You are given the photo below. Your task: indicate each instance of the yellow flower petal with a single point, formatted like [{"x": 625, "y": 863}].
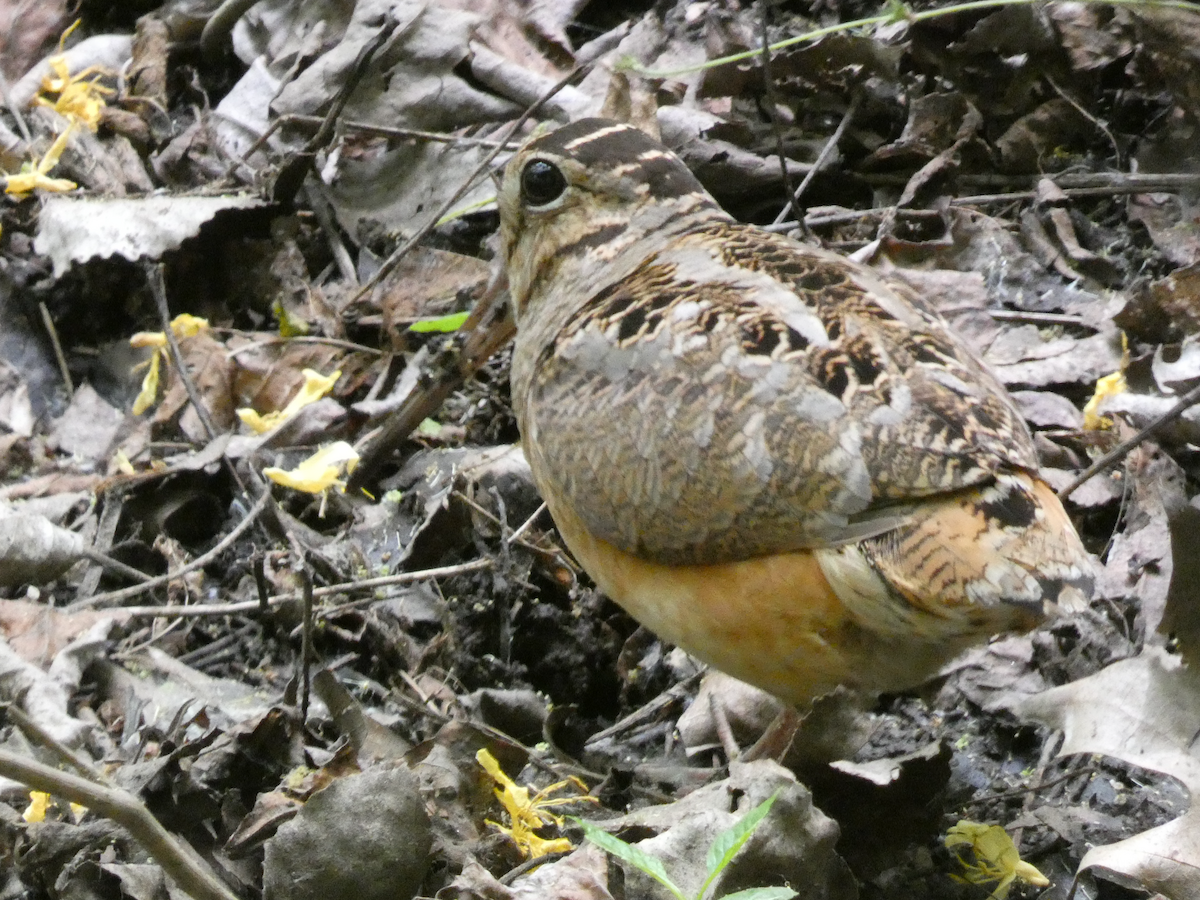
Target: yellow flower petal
[
  {"x": 34, "y": 177},
  {"x": 145, "y": 399},
  {"x": 320, "y": 471},
  {"x": 124, "y": 466},
  {"x": 39, "y": 802},
  {"x": 185, "y": 325},
  {"x": 1108, "y": 386},
  {"x": 154, "y": 339},
  {"x": 996, "y": 857},
  {"x": 314, "y": 388},
  {"x": 27, "y": 182},
  {"x": 528, "y": 813},
  {"x": 256, "y": 423},
  {"x": 79, "y": 100},
  {"x": 50, "y": 160}
]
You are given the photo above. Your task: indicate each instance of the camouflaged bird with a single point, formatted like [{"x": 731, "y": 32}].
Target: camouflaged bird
[{"x": 768, "y": 454}]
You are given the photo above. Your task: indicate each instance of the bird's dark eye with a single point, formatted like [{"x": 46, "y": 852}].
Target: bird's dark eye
[{"x": 541, "y": 182}]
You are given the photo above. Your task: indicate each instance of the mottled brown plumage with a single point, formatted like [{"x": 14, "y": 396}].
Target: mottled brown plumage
[{"x": 771, "y": 455}]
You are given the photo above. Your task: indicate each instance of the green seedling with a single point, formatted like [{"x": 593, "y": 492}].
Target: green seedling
[{"x": 720, "y": 854}]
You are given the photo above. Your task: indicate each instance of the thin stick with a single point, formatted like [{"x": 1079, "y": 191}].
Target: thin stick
[
  {"x": 402, "y": 133},
  {"x": 303, "y": 570},
  {"x": 822, "y": 157},
  {"x": 158, "y": 287},
  {"x": 178, "y": 860},
  {"x": 114, "y": 565},
  {"x": 1096, "y": 123},
  {"x": 394, "y": 259},
  {"x": 58, "y": 350},
  {"x": 201, "y": 610},
  {"x": 321, "y": 208},
  {"x": 526, "y": 525},
  {"x": 1117, "y": 183},
  {"x": 44, "y": 739},
  {"x": 305, "y": 339},
  {"x": 198, "y": 562},
  {"x": 220, "y": 24},
  {"x": 15, "y": 109},
  {"x": 1118, "y": 453},
  {"x": 769, "y": 96}
]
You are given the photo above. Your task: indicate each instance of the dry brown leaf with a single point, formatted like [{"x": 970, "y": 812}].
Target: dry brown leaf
[
  {"x": 37, "y": 633},
  {"x": 211, "y": 372},
  {"x": 1173, "y": 221},
  {"x": 1146, "y": 712}
]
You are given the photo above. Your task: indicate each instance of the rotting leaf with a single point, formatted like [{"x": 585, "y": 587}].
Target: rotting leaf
[
  {"x": 74, "y": 230},
  {"x": 34, "y": 550}
]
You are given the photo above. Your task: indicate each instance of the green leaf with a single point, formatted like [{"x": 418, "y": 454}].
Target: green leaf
[
  {"x": 896, "y": 11},
  {"x": 651, "y": 865},
  {"x": 730, "y": 841},
  {"x": 452, "y": 322},
  {"x": 767, "y": 893}
]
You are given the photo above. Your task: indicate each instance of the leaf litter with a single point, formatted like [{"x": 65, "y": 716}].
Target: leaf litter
[{"x": 298, "y": 686}]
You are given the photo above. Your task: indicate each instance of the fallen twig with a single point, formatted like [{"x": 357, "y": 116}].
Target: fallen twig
[
  {"x": 201, "y": 610},
  {"x": 198, "y": 562},
  {"x": 177, "y": 858}
]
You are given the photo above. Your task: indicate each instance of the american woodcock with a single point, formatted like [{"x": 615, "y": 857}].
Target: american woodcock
[{"x": 770, "y": 455}]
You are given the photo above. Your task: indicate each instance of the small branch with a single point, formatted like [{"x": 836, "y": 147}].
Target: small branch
[
  {"x": 198, "y": 562},
  {"x": 58, "y": 350},
  {"x": 301, "y": 567},
  {"x": 114, "y": 565},
  {"x": 1099, "y": 126},
  {"x": 158, "y": 287},
  {"x": 44, "y": 739},
  {"x": 394, "y": 259},
  {"x": 486, "y": 330},
  {"x": 201, "y": 610},
  {"x": 323, "y": 211},
  {"x": 178, "y": 860},
  {"x": 220, "y": 24},
  {"x": 769, "y": 96},
  {"x": 819, "y": 162},
  {"x": 368, "y": 128}
]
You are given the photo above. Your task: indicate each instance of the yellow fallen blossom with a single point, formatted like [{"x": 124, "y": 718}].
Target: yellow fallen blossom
[
  {"x": 182, "y": 326},
  {"x": 314, "y": 388},
  {"x": 996, "y": 858},
  {"x": 320, "y": 472},
  {"x": 79, "y": 100},
  {"x": 35, "y": 176},
  {"x": 122, "y": 463},
  {"x": 529, "y": 813},
  {"x": 39, "y": 805},
  {"x": 1108, "y": 386}
]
